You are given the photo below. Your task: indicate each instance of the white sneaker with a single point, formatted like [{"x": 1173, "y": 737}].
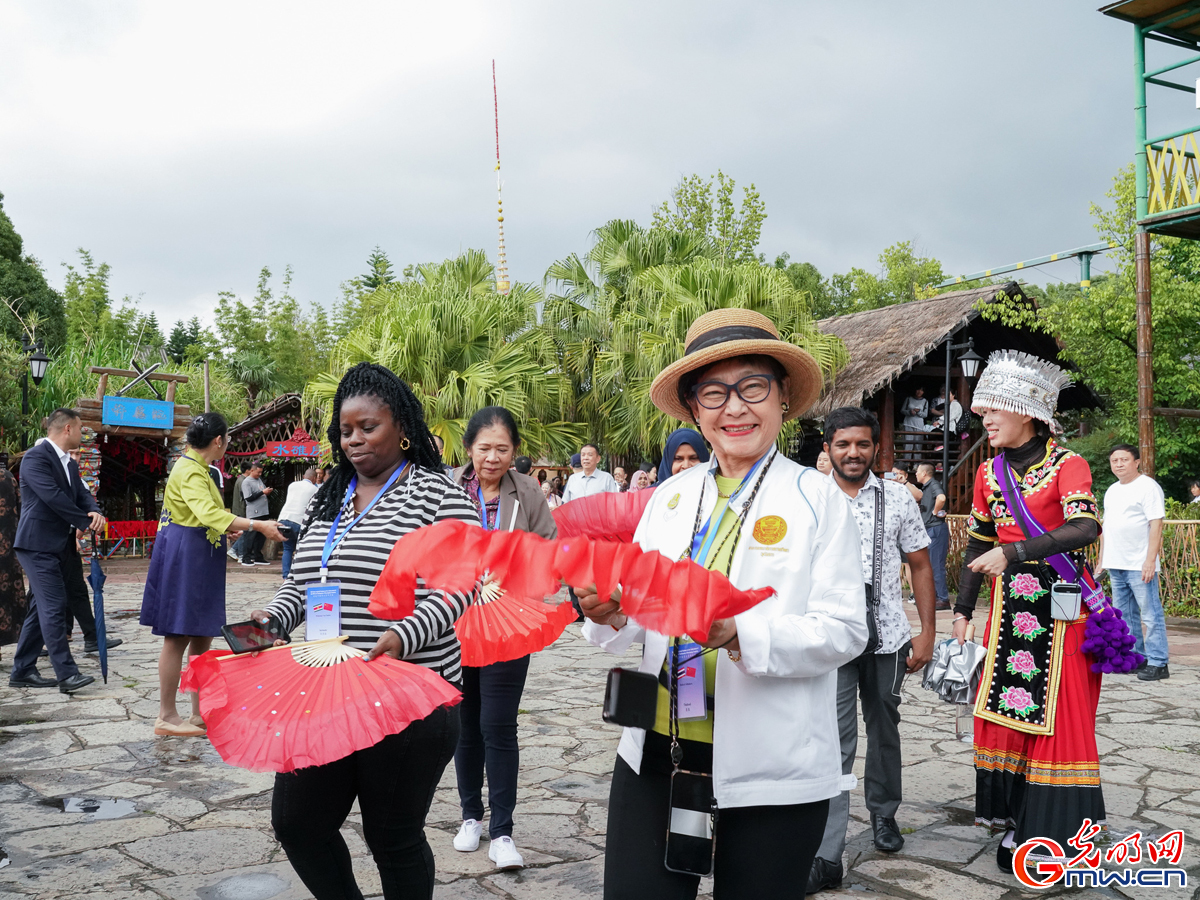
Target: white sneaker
[
  {"x": 467, "y": 838},
  {"x": 503, "y": 852}
]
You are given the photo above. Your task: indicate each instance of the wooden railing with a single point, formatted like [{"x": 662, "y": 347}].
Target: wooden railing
[{"x": 1179, "y": 579}]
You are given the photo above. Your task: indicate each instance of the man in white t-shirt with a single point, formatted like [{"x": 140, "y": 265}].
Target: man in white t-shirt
[
  {"x": 299, "y": 494},
  {"x": 1134, "y": 510},
  {"x": 589, "y": 480}
]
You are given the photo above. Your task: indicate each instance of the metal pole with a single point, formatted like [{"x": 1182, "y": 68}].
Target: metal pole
[
  {"x": 946, "y": 424},
  {"x": 1145, "y": 359},
  {"x": 1141, "y": 175},
  {"x": 25, "y": 408},
  {"x": 207, "y": 403}
]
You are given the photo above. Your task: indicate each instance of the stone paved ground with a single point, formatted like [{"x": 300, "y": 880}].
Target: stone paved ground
[{"x": 191, "y": 827}]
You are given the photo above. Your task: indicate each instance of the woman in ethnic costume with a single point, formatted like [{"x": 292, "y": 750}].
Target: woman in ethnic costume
[{"x": 1037, "y": 772}]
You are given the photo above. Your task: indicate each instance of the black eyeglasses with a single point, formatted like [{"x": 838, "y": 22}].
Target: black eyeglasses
[{"x": 751, "y": 389}]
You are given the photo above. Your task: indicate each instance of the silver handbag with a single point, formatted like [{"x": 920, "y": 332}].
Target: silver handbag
[{"x": 954, "y": 671}]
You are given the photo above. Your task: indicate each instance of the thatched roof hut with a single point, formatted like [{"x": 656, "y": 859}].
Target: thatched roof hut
[{"x": 896, "y": 349}]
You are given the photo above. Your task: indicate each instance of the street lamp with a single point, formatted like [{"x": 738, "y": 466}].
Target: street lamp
[
  {"x": 38, "y": 362},
  {"x": 970, "y": 362}
]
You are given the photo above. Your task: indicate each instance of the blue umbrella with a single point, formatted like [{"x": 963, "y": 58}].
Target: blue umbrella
[{"x": 96, "y": 579}]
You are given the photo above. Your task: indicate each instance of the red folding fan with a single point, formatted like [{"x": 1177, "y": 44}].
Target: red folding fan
[
  {"x": 603, "y": 517},
  {"x": 308, "y": 704},
  {"x": 499, "y": 626},
  {"x": 672, "y": 597}
]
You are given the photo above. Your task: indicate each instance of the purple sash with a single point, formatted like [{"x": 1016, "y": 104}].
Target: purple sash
[
  {"x": 1028, "y": 523},
  {"x": 1106, "y": 634}
]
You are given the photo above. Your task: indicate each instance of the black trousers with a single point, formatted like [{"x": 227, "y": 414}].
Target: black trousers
[
  {"x": 762, "y": 851},
  {"x": 252, "y": 546},
  {"x": 394, "y": 782},
  {"x": 79, "y": 602},
  {"x": 491, "y": 700},
  {"x": 46, "y": 618}
]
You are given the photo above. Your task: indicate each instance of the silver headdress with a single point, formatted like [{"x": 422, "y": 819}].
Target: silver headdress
[{"x": 1022, "y": 384}]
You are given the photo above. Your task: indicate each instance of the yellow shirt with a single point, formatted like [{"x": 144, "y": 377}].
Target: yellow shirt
[
  {"x": 191, "y": 499},
  {"x": 718, "y": 561}
]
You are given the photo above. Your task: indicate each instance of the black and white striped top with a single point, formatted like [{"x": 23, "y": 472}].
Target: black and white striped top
[{"x": 427, "y": 637}]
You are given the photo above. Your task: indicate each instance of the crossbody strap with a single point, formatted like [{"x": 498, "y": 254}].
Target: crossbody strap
[{"x": 877, "y": 557}]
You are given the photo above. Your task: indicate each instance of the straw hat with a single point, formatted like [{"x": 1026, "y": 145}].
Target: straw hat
[{"x": 724, "y": 334}]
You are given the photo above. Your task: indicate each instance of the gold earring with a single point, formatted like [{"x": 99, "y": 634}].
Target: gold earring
[
  {"x": 404, "y": 443},
  {"x": 786, "y": 406}
]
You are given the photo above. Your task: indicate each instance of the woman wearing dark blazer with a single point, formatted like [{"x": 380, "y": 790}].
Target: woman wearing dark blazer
[{"x": 505, "y": 500}]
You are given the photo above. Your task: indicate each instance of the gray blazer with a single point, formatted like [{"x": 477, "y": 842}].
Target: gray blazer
[{"x": 521, "y": 495}]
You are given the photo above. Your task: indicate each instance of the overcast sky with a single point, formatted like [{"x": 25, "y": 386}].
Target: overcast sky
[{"x": 189, "y": 144}]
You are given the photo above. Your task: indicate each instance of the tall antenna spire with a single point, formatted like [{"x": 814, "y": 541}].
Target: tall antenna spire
[{"x": 502, "y": 285}]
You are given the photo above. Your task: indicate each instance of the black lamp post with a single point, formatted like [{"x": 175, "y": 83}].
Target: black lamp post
[
  {"x": 970, "y": 362},
  {"x": 38, "y": 361}
]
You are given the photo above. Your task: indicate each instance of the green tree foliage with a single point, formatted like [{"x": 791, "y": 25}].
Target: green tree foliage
[
  {"x": 184, "y": 336},
  {"x": 462, "y": 346},
  {"x": 806, "y": 279},
  {"x": 1098, "y": 333},
  {"x": 903, "y": 276},
  {"x": 379, "y": 271},
  {"x": 23, "y": 284},
  {"x": 270, "y": 342},
  {"x": 708, "y": 211}
]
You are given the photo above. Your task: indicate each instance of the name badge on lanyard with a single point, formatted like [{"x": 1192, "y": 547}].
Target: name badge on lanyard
[
  {"x": 322, "y": 610},
  {"x": 323, "y": 599},
  {"x": 691, "y": 701}
]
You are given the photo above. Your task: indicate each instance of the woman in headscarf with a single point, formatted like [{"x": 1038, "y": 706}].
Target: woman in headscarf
[
  {"x": 769, "y": 734},
  {"x": 685, "y": 448},
  {"x": 1036, "y": 764}
]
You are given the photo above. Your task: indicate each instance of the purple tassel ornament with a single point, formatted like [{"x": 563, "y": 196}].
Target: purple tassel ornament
[{"x": 1108, "y": 641}]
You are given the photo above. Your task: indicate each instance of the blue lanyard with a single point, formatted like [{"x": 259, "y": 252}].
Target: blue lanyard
[
  {"x": 330, "y": 542},
  {"x": 483, "y": 513},
  {"x": 703, "y": 541}
]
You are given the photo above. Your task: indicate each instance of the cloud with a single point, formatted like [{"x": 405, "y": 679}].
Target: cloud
[{"x": 189, "y": 144}]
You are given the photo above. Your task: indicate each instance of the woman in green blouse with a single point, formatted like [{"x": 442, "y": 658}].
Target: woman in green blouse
[{"x": 184, "y": 600}]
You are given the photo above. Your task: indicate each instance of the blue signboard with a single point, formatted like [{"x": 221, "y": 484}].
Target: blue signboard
[{"x": 138, "y": 413}]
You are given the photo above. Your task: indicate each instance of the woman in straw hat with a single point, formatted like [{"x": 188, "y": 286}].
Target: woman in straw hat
[
  {"x": 1037, "y": 770},
  {"x": 757, "y": 699}
]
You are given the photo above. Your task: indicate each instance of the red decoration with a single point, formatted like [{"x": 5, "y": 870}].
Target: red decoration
[
  {"x": 672, "y": 597},
  {"x": 603, "y": 517},
  {"x": 498, "y": 626},
  {"x": 277, "y": 713},
  {"x": 301, "y": 436},
  {"x": 131, "y": 529}
]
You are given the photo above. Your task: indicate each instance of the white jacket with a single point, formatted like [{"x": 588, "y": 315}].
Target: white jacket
[{"x": 775, "y": 731}]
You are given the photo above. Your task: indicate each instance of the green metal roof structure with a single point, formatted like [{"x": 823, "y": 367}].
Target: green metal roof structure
[{"x": 1168, "y": 180}]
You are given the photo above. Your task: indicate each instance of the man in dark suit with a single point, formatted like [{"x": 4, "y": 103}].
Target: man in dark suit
[{"x": 54, "y": 505}]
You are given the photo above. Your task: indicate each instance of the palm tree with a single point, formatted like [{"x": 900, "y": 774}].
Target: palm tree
[
  {"x": 462, "y": 346},
  {"x": 619, "y": 315},
  {"x": 256, "y": 372}
]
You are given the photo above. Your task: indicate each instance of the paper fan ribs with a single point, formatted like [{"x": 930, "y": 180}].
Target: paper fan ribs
[
  {"x": 308, "y": 704},
  {"x": 673, "y": 597}
]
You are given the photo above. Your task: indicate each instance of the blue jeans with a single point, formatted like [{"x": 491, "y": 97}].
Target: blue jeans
[
  {"x": 939, "y": 546},
  {"x": 1138, "y": 602},
  {"x": 289, "y": 545}
]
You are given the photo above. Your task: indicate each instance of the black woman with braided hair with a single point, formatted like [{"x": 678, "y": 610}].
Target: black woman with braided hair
[{"x": 387, "y": 481}]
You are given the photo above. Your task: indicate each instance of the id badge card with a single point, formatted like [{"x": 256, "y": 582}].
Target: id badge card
[
  {"x": 322, "y": 610},
  {"x": 692, "y": 702}
]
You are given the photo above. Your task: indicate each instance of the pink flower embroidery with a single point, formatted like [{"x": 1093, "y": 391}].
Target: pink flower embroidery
[
  {"x": 1025, "y": 586},
  {"x": 1026, "y": 625},
  {"x": 1017, "y": 700},
  {"x": 1022, "y": 663}
]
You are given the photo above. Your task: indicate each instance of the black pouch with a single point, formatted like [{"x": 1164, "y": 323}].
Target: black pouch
[
  {"x": 692, "y": 817},
  {"x": 630, "y": 699},
  {"x": 691, "y": 828}
]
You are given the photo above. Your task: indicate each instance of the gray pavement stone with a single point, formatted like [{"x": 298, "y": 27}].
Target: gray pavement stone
[{"x": 201, "y": 829}]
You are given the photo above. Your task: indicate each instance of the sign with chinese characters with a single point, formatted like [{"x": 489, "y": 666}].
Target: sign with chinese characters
[
  {"x": 138, "y": 413},
  {"x": 284, "y": 449}
]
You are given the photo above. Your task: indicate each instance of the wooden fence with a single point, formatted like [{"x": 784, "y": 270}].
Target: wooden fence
[{"x": 1179, "y": 581}]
